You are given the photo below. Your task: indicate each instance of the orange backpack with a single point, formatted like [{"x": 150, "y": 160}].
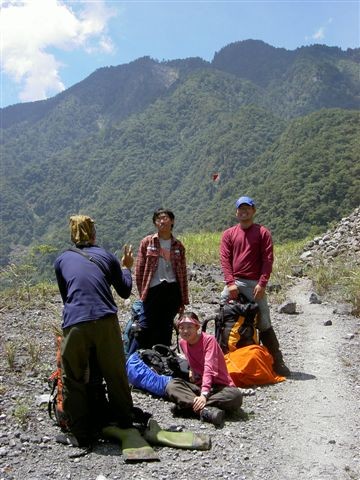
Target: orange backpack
[{"x": 55, "y": 404}]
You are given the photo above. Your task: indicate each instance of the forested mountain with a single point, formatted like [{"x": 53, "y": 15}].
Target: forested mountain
[{"x": 280, "y": 125}]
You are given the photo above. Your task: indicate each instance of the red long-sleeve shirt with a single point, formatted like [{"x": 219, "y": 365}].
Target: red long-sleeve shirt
[{"x": 246, "y": 253}]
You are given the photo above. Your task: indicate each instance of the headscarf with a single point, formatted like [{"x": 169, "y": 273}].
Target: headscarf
[{"x": 82, "y": 229}]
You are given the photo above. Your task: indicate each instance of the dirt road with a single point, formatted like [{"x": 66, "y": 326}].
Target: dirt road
[{"x": 319, "y": 438}]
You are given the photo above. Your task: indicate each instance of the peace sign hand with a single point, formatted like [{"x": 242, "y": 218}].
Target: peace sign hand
[{"x": 127, "y": 260}]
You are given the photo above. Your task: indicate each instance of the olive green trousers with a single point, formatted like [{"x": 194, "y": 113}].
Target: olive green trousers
[{"x": 101, "y": 340}]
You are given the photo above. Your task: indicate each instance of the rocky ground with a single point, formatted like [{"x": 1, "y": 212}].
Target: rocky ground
[{"x": 306, "y": 428}]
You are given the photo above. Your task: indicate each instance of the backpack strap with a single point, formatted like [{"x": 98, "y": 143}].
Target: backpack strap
[
  {"x": 163, "y": 350},
  {"x": 54, "y": 379},
  {"x": 89, "y": 257}
]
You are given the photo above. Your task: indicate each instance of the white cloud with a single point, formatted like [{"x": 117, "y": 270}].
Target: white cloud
[
  {"x": 319, "y": 34},
  {"x": 30, "y": 27}
]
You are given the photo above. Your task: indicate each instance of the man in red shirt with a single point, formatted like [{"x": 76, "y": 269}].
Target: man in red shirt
[{"x": 246, "y": 255}]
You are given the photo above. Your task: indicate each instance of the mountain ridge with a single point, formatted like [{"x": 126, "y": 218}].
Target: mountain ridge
[{"x": 154, "y": 133}]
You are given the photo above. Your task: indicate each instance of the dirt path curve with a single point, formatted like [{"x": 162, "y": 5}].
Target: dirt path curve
[{"x": 321, "y": 435}]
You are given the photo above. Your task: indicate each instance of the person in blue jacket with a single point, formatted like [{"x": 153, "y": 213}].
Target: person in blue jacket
[{"x": 90, "y": 326}]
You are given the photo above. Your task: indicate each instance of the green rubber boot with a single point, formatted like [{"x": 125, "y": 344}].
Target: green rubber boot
[
  {"x": 189, "y": 440},
  {"x": 134, "y": 447}
]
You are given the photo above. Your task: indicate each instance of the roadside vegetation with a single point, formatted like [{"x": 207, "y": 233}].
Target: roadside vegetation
[
  {"x": 21, "y": 288},
  {"x": 338, "y": 280}
]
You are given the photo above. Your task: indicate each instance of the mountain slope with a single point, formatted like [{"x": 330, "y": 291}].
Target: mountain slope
[
  {"x": 311, "y": 175},
  {"x": 129, "y": 139},
  {"x": 296, "y": 82}
]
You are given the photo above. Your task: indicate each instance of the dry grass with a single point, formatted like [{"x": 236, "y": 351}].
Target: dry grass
[
  {"x": 22, "y": 413},
  {"x": 339, "y": 280},
  {"x": 202, "y": 248},
  {"x": 10, "y": 353}
]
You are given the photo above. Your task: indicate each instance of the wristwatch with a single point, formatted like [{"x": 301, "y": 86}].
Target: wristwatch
[{"x": 205, "y": 394}]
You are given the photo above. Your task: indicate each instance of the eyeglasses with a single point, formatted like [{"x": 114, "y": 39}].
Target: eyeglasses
[{"x": 160, "y": 218}]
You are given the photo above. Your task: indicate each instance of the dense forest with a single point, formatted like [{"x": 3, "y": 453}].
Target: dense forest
[{"x": 279, "y": 125}]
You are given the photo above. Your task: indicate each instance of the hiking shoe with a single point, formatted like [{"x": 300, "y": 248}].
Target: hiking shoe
[
  {"x": 140, "y": 417},
  {"x": 281, "y": 369},
  {"x": 175, "y": 410},
  {"x": 181, "y": 412},
  {"x": 212, "y": 415}
]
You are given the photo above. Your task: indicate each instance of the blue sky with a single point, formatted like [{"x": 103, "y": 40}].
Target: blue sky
[{"x": 49, "y": 45}]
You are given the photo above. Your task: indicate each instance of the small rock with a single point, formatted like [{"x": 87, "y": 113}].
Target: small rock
[
  {"x": 42, "y": 399},
  {"x": 3, "y": 451},
  {"x": 306, "y": 255},
  {"x": 273, "y": 287},
  {"x": 327, "y": 323},
  {"x": 314, "y": 298},
  {"x": 343, "y": 309},
  {"x": 288, "y": 307},
  {"x": 297, "y": 270}
]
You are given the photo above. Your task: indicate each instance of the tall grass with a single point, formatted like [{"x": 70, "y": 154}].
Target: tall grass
[
  {"x": 286, "y": 257},
  {"x": 337, "y": 280},
  {"x": 202, "y": 248},
  {"x": 25, "y": 296}
]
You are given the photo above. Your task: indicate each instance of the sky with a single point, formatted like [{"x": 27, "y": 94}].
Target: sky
[{"x": 49, "y": 45}]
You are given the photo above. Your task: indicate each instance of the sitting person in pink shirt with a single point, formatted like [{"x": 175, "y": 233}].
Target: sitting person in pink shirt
[{"x": 211, "y": 391}]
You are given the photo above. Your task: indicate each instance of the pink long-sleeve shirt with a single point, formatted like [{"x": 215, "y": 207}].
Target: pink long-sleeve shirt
[
  {"x": 206, "y": 361},
  {"x": 247, "y": 253}
]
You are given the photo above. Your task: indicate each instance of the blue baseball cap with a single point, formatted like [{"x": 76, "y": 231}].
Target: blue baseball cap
[{"x": 246, "y": 200}]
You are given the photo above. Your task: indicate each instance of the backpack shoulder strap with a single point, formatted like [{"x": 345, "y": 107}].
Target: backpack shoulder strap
[
  {"x": 89, "y": 257},
  {"x": 163, "y": 350}
]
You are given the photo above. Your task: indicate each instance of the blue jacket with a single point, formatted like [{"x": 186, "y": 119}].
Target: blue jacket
[{"x": 84, "y": 287}]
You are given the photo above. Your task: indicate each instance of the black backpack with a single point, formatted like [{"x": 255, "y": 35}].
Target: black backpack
[
  {"x": 165, "y": 361},
  {"x": 235, "y": 324}
]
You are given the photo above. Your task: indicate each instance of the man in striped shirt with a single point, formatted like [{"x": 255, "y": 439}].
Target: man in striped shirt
[{"x": 161, "y": 279}]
